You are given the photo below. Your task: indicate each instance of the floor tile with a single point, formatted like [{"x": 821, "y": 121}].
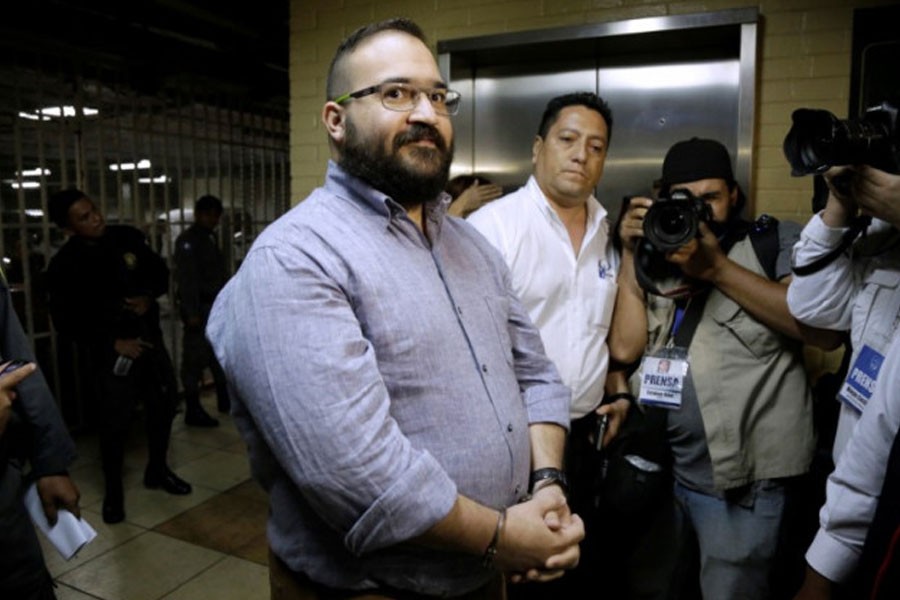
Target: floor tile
[
  {"x": 64, "y": 592},
  {"x": 208, "y": 544},
  {"x": 144, "y": 568},
  {"x": 217, "y": 470},
  {"x": 233, "y": 522},
  {"x": 229, "y": 579},
  {"x": 149, "y": 508},
  {"x": 108, "y": 538}
]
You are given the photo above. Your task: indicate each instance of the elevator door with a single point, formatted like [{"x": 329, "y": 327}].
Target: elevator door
[
  {"x": 665, "y": 79},
  {"x": 653, "y": 106}
]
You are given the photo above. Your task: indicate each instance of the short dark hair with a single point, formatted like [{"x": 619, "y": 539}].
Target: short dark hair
[
  {"x": 208, "y": 203},
  {"x": 357, "y": 37},
  {"x": 59, "y": 204},
  {"x": 587, "y": 99}
]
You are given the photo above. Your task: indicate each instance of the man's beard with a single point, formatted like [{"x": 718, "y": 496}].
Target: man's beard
[{"x": 409, "y": 182}]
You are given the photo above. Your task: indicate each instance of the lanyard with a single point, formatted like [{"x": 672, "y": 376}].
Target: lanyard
[{"x": 680, "y": 311}]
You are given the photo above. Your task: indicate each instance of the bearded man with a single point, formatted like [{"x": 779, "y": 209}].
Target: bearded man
[{"x": 395, "y": 397}]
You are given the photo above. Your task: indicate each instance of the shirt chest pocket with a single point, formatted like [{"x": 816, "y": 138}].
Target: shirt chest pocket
[
  {"x": 758, "y": 339},
  {"x": 877, "y": 307}
]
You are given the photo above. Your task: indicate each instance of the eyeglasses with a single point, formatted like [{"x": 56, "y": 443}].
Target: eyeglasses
[{"x": 403, "y": 97}]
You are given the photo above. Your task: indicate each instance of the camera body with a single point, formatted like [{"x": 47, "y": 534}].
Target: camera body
[
  {"x": 818, "y": 140},
  {"x": 672, "y": 221}
]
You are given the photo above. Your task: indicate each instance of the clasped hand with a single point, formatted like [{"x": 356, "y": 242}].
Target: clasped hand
[{"x": 539, "y": 541}]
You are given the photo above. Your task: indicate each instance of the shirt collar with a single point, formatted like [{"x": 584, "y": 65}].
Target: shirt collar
[
  {"x": 338, "y": 181},
  {"x": 596, "y": 213}
]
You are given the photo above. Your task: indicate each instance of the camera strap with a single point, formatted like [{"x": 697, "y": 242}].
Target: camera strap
[{"x": 857, "y": 227}]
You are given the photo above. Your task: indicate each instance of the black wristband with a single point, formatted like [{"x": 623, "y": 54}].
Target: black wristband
[
  {"x": 550, "y": 473},
  {"x": 619, "y": 396}
]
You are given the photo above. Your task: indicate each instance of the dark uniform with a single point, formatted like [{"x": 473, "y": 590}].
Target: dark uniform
[
  {"x": 35, "y": 436},
  {"x": 89, "y": 281},
  {"x": 200, "y": 273}
]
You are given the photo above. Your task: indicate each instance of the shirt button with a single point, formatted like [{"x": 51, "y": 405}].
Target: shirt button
[
  {"x": 459, "y": 310},
  {"x": 484, "y": 368},
  {"x": 509, "y": 427}
]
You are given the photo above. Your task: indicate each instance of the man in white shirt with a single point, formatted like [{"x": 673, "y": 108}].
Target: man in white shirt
[
  {"x": 854, "y": 488},
  {"x": 858, "y": 290},
  {"x": 554, "y": 235}
]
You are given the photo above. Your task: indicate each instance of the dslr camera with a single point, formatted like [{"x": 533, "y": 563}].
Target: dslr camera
[
  {"x": 672, "y": 221},
  {"x": 818, "y": 140}
]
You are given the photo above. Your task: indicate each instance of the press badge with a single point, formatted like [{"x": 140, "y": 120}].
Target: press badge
[
  {"x": 662, "y": 377},
  {"x": 861, "y": 378}
]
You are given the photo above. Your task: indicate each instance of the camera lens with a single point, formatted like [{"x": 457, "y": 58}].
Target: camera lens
[
  {"x": 670, "y": 224},
  {"x": 818, "y": 140}
]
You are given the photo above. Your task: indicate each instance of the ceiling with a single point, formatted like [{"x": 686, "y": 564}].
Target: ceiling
[{"x": 156, "y": 45}]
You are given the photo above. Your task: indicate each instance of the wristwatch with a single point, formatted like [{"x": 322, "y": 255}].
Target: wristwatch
[{"x": 546, "y": 476}]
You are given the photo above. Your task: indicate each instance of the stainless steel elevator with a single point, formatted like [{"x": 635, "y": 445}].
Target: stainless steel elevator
[{"x": 666, "y": 79}]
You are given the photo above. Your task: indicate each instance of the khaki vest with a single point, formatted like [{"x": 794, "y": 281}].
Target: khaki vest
[{"x": 751, "y": 386}]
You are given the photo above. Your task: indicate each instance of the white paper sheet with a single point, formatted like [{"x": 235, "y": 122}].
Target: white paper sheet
[{"x": 70, "y": 533}]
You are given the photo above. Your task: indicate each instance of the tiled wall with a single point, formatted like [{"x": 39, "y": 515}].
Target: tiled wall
[{"x": 804, "y": 60}]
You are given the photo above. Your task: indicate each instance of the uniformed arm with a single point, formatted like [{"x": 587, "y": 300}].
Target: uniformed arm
[
  {"x": 83, "y": 312},
  {"x": 52, "y": 450},
  {"x": 8, "y": 383}
]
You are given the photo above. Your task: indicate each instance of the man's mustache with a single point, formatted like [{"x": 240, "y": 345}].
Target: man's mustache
[{"x": 419, "y": 132}]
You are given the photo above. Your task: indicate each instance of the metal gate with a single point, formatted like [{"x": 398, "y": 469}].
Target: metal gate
[{"x": 144, "y": 159}]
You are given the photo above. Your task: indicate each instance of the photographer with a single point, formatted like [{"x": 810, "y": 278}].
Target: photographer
[
  {"x": 744, "y": 389},
  {"x": 858, "y": 291}
]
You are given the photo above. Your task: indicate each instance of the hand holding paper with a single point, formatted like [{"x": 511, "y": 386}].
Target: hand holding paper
[{"x": 68, "y": 535}]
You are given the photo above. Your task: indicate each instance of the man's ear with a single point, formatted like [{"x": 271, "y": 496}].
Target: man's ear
[
  {"x": 536, "y": 148},
  {"x": 334, "y": 119},
  {"x": 734, "y": 196}
]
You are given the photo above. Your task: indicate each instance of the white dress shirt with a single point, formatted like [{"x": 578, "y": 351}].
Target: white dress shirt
[
  {"x": 858, "y": 292},
  {"x": 570, "y": 298},
  {"x": 855, "y": 485}
]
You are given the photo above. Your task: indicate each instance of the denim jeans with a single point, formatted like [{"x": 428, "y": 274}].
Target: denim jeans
[{"x": 737, "y": 538}]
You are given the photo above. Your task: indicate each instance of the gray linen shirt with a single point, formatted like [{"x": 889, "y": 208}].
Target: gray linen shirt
[{"x": 377, "y": 372}]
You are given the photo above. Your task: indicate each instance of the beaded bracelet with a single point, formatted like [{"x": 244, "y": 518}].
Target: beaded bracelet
[{"x": 491, "y": 551}]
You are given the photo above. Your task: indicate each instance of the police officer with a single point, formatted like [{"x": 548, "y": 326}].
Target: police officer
[
  {"x": 200, "y": 273},
  {"x": 104, "y": 282}
]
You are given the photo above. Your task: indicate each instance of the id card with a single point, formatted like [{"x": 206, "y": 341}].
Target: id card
[
  {"x": 861, "y": 379},
  {"x": 662, "y": 377}
]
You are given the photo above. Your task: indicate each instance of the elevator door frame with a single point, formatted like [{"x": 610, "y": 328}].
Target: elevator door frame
[{"x": 729, "y": 36}]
